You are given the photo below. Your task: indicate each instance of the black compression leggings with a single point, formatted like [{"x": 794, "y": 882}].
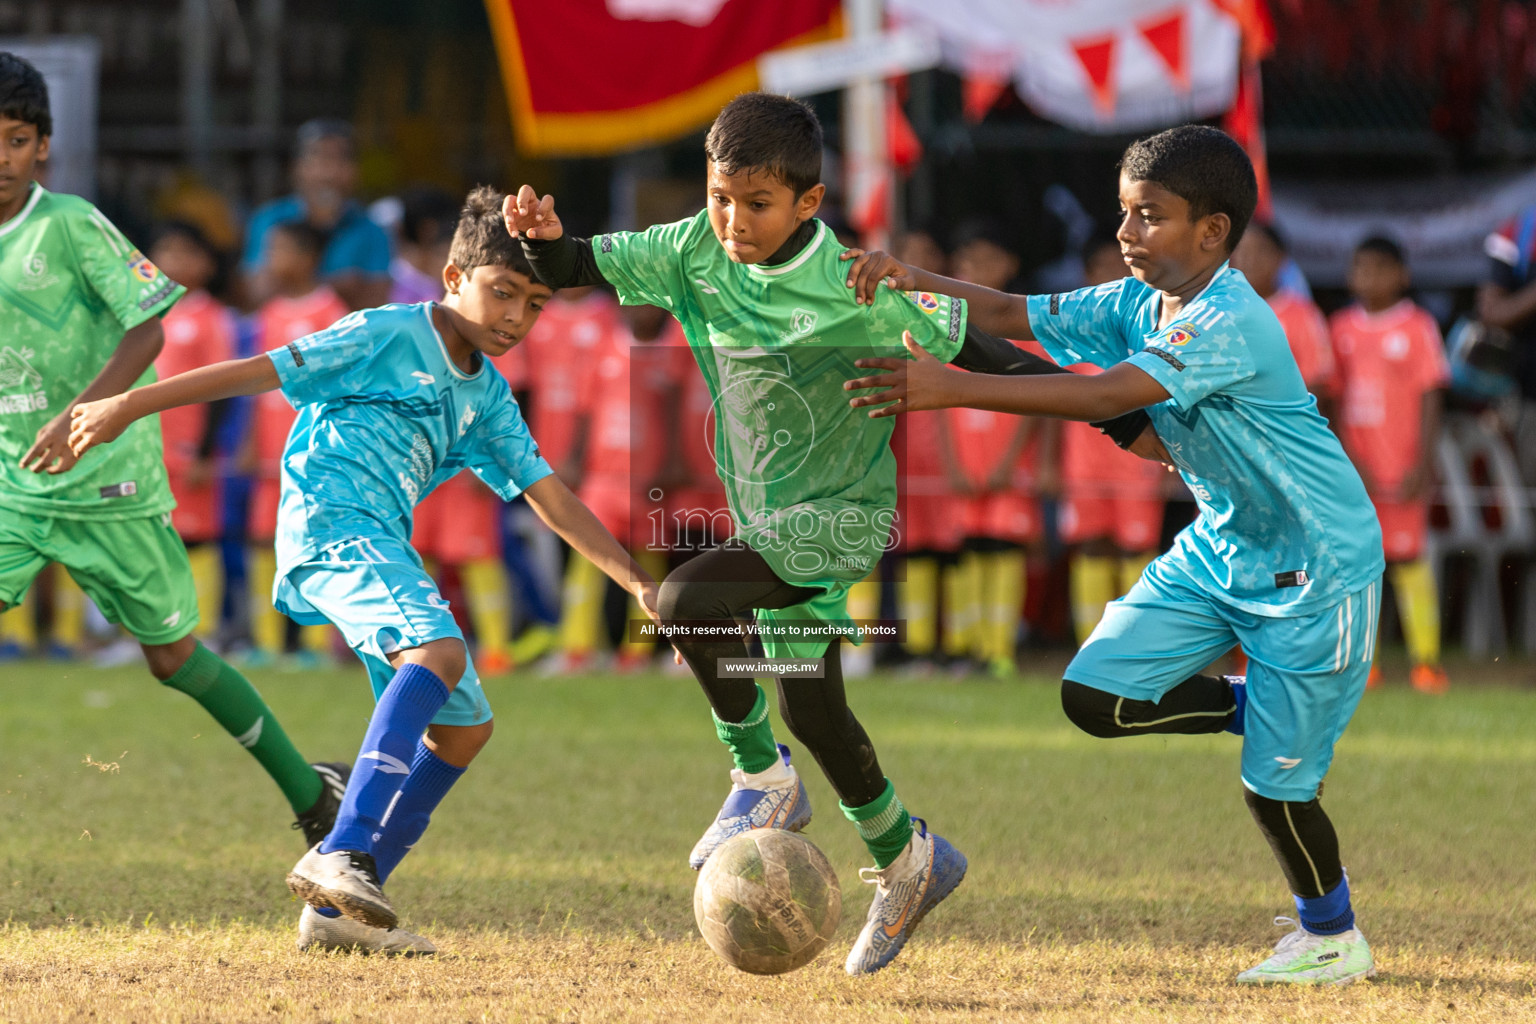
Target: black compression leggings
[
  {"x": 726, "y": 584},
  {"x": 1299, "y": 833}
]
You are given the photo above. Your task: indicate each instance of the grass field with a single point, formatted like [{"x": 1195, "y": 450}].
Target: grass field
[{"x": 142, "y": 858}]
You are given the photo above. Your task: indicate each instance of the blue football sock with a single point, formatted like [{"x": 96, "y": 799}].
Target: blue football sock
[
  {"x": 413, "y": 696},
  {"x": 430, "y": 779},
  {"x": 1327, "y": 915},
  {"x": 1239, "y": 685}
]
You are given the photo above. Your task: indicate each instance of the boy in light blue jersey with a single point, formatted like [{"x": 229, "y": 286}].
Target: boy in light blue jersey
[
  {"x": 392, "y": 402},
  {"x": 1285, "y": 556}
]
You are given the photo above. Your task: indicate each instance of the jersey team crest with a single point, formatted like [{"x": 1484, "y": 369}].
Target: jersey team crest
[
  {"x": 925, "y": 301},
  {"x": 142, "y": 269},
  {"x": 1180, "y": 334}
]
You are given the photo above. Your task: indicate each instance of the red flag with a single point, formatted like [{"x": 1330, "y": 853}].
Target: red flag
[
  {"x": 980, "y": 92},
  {"x": 1097, "y": 56},
  {"x": 901, "y": 142},
  {"x": 1166, "y": 36},
  {"x": 596, "y": 76}
]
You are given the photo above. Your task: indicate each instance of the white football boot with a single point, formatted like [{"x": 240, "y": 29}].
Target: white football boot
[
  {"x": 1305, "y": 958},
  {"x": 344, "y": 880},
  {"x": 316, "y": 931}
]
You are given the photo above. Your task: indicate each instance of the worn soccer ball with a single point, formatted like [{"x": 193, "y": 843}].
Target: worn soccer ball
[{"x": 767, "y": 901}]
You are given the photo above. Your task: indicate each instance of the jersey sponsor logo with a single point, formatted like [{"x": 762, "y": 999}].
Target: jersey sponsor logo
[
  {"x": 17, "y": 375},
  {"x": 171, "y": 619},
  {"x": 423, "y": 378},
  {"x": 467, "y": 420},
  {"x": 703, "y": 286},
  {"x": 34, "y": 274},
  {"x": 1168, "y": 357},
  {"x": 1294, "y": 578},
  {"x": 126, "y": 489},
  {"x": 1287, "y": 763},
  {"x": 1180, "y": 334},
  {"x": 142, "y": 269}
]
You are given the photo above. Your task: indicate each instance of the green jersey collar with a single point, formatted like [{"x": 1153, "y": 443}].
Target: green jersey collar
[
  {"x": 21, "y": 214},
  {"x": 805, "y": 254}
]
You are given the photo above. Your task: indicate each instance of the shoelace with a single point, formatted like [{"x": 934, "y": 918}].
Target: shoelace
[
  {"x": 876, "y": 876},
  {"x": 1292, "y": 937}
]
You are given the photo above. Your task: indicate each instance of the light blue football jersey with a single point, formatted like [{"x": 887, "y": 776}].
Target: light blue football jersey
[
  {"x": 384, "y": 417},
  {"x": 1285, "y": 525}
]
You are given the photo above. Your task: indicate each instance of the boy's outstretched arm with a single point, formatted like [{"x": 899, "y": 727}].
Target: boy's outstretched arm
[
  {"x": 999, "y": 313},
  {"x": 94, "y": 423},
  {"x": 564, "y": 513},
  {"x": 925, "y": 383},
  {"x": 50, "y": 451}
]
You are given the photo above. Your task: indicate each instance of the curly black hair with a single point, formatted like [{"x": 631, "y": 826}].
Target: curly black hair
[
  {"x": 481, "y": 238},
  {"x": 776, "y": 134}
]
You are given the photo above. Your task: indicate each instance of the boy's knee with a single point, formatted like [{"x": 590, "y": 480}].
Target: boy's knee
[
  {"x": 1091, "y": 710},
  {"x": 444, "y": 658},
  {"x": 459, "y": 744},
  {"x": 679, "y": 600},
  {"x": 165, "y": 660}
]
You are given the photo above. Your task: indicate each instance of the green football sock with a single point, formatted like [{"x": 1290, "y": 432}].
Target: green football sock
[
  {"x": 234, "y": 703},
  {"x": 883, "y": 824},
  {"x": 751, "y": 741}
]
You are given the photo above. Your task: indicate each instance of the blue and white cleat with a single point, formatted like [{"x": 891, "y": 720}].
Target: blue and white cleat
[
  {"x": 928, "y": 870},
  {"x": 779, "y": 801}
]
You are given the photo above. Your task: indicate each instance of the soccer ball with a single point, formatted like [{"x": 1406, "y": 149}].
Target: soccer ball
[{"x": 767, "y": 901}]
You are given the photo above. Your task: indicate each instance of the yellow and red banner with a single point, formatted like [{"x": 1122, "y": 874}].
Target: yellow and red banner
[{"x": 596, "y": 76}]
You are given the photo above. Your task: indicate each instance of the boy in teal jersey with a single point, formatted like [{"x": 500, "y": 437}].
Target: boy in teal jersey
[
  {"x": 80, "y": 312},
  {"x": 392, "y": 402},
  {"x": 756, "y": 282},
  {"x": 1285, "y": 556}
]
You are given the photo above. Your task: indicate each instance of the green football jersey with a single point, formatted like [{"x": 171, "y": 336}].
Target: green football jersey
[
  {"x": 71, "y": 286},
  {"x": 811, "y": 482}
]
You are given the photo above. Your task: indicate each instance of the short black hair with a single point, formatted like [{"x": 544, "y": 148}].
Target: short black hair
[
  {"x": 308, "y": 237},
  {"x": 776, "y": 134},
  {"x": 481, "y": 238},
  {"x": 1201, "y": 165},
  {"x": 24, "y": 93},
  {"x": 1385, "y": 247}
]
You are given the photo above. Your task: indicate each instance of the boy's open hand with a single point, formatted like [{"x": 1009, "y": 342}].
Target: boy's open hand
[
  {"x": 870, "y": 268},
  {"x": 528, "y": 216},
  {"x": 94, "y": 423},
  {"x": 909, "y": 385},
  {"x": 50, "y": 449}
]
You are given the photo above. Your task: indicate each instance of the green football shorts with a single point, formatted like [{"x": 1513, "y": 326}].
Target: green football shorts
[{"x": 136, "y": 570}]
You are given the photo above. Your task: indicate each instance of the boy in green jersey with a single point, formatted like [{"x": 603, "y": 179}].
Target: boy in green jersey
[
  {"x": 80, "y": 312},
  {"x": 758, "y": 286}
]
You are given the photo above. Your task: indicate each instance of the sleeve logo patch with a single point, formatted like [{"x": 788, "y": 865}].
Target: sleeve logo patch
[
  {"x": 1167, "y": 357},
  {"x": 1180, "y": 334},
  {"x": 607, "y": 243},
  {"x": 1056, "y": 304},
  {"x": 142, "y": 269},
  {"x": 925, "y": 301}
]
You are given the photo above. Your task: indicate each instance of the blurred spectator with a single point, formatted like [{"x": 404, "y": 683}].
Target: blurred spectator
[
  {"x": 300, "y": 305},
  {"x": 929, "y": 530},
  {"x": 199, "y": 330},
  {"x": 1260, "y": 256},
  {"x": 356, "y": 252},
  {"x": 999, "y": 516},
  {"x": 628, "y": 388},
  {"x": 1391, "y": 371},
  {"x": 428, "y": 217},
  {"x": 1507, "y": 300},
  {"x": 1112, "y": 507}
]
